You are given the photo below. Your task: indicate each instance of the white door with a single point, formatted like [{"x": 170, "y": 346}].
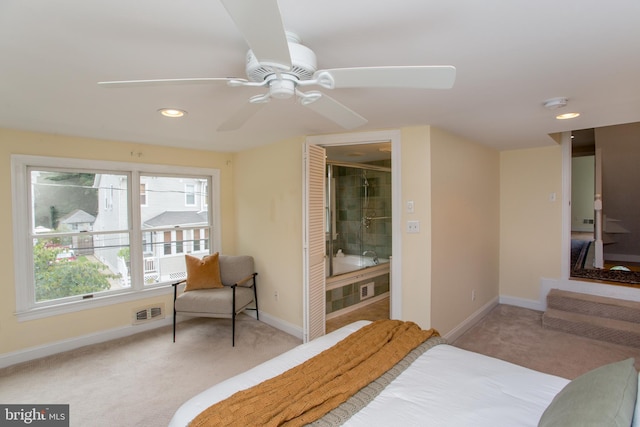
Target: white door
[{"x": 314, "y": 242}]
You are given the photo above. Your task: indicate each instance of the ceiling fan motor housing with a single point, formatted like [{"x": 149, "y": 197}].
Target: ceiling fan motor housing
[{"x": 303, "y": 64}]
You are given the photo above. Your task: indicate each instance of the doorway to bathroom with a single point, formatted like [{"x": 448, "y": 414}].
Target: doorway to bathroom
[
  {"x": 358, "y": 227},
  {"x": 360, "y": 237}
]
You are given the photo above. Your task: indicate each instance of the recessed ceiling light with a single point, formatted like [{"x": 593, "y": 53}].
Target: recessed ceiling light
[
  {"x": 172, "y": 112},
  {"x": 566, "y": 116}
]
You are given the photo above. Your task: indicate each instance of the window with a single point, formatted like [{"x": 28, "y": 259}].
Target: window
[
  {"x": 196, "y": 240},
  {"x": 167, "y": 243},
  {"x": 80, "y": 238},
  {"x": 179, "y": 242},
  {"x": 190, "y": 195},
  {"x": 143, "y": 194}
]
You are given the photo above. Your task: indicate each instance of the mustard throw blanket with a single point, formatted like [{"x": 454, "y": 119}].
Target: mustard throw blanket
[{"x": 310, "y": 390}]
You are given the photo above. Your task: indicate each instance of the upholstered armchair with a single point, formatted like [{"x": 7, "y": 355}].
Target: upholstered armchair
[{"x": 216, "y": 286}]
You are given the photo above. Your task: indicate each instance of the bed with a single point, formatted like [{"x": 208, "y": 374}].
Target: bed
[{"x": 448, "y": 386}]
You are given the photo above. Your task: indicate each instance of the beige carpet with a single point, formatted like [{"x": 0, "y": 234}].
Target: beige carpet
[
  {"x": 516, "y": 335},
  {"x": 142, "y": 380}
]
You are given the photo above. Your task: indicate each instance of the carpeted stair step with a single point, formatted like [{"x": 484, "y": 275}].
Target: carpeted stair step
[
  {"x": 600, "y": 328},
  {"x": 594, "y": 305}
]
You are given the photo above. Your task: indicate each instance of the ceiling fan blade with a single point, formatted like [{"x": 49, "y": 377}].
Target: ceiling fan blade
[
  {"x": 240, "y": 117},
  {"x": 420, "y": 77},
  {"x": 159, "y": 82},
  {"x": 260, "y": 23},
  {"x": 335, "y": 111}
]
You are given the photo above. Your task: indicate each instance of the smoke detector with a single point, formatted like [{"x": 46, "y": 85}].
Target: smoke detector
[{"x": 555, "y": 103}]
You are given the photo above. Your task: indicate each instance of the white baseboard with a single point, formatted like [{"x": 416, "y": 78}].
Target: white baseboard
[
  {"x": 590, "y": 288},
  {"x": 546, "y": 284},
  {"x": 523, "y": 302},
  {"x": 463, "y": 327},
  {"x": 277, "y": 323},
  {"x": 37, "y": 352}
]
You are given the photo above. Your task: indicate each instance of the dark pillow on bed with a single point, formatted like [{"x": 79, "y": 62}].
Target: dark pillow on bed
[{"x": 605, "y": 396}]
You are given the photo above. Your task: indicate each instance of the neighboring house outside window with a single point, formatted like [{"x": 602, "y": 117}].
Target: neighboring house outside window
[
  {"x": 189, "y": 195},
  {"x": 143, "y": 194},
  {"x": 79, "y": 221}
]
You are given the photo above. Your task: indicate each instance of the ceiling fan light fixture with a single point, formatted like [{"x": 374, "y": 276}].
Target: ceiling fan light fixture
[
  {"x": 282, "y": 89},
  {"x": 172, "y": 112}
]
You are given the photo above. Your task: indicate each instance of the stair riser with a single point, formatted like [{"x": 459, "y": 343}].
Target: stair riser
[
  {"x": 588, "y": 330},
  {"x": 609, "y": 311}
]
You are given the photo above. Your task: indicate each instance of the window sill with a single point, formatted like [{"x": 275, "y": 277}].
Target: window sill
[{"x": 88, "y": 304}]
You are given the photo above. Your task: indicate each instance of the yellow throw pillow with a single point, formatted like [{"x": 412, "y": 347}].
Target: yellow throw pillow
[{"x": 203, "y": 273}]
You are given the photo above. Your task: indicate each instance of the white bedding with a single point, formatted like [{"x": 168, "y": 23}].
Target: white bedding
[{"x": 446, "y": 386}]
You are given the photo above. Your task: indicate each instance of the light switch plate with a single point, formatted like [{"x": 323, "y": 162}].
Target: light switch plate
[{"x": 410, "y": 206}]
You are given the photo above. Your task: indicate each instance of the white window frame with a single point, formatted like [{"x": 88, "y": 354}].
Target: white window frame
[{"x": 26, "y": 307}]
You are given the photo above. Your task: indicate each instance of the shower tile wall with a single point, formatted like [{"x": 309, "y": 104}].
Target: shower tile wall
[{"x": 354, "y": 236}]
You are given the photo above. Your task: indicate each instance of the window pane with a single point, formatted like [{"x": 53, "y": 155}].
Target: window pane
[
  {"x": 196, "y": 240},
  {"x": 174, "y": 221},
  {"x": 81, "y": 264},
  {"x": 71, "y": 201}
]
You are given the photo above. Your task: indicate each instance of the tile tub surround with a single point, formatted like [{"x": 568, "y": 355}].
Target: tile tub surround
[
  {"x": 348, "y": 294},
  {"x": 353, "y": 236}
]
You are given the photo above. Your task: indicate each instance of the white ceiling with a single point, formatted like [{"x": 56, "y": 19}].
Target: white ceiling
[{"x": 510, "y": 56}]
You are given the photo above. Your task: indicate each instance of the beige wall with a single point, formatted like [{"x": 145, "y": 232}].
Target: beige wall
[
  {"x": 268, "y": 187},
  {"x": 16, "y": 335},
  {"x": 261, "y": 200},
  {"x": 465, "y": 185},
  {"x": 530, "y": 224},
  {"x": 416, "y": 248}
]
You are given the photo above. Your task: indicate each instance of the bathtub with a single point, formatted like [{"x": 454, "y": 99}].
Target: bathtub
[
  {"x": 348, "y": 263},
  {"x": 351, "y": 273}
]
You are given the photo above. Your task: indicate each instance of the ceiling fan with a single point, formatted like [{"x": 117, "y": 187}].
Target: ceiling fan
[{"x": 278, "y": 62}]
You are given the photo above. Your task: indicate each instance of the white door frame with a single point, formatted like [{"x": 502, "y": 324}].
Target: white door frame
[{"x": 394, "y": 136}]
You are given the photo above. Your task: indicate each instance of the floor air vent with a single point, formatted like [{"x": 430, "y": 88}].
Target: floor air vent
[
  {"x": 146, "y": 314},
  {"x": 366, "y": 291}
]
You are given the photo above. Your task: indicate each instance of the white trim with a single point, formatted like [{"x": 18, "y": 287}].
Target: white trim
[
  {"x": 25, "y": 355},
  {"x": 470, "y": 321},
  {"x": 589, "y": 288},
  {"x": 21, "y": 356},
  {"x": 394, "y": 136},
  {"x": 565, "y": 283},
  {"x": 565, "y": 259},
  {"x": 95, "y": 302},
  {"x": 282, "y": 325},
  {"x": 23, "y": 253},
  {"x": 522, "y": 302}
]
